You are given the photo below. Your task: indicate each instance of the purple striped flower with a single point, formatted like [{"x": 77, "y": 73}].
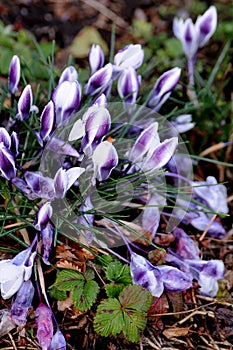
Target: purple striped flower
[
  {"x": 68, "y": 74},
  {"x": 58, "y": 341},
  {"x": 163, "y": 88},
  {"x": 7, "y": 162},
  {"x": 105, "y": 159},
  {"x": 5, "y": 137},
  {"x": 97, "y": 124},
  {"x": 66, "y": 98},
  {"x": 41, "y": 186},
  {"x": 14, "y": 75},
  {"x": 14, "y": 144},
  {"x": 22, "y": 303},
  {"x": 206, "y": 25},
  {"x": 64, "y": 179},
  {"x": 47, "y": 234},
  {"x": 128, "y": 85},
  {"x": 100, "y": 81},
  {"x": 129, "y": 56},
  {"x": 96, "y": 58},
  {"x": 25, "y": 105},
  {"x": 44, "y": 324},
  {"x": 43, "y": 216},
  {"x": 47, "y": 120}
]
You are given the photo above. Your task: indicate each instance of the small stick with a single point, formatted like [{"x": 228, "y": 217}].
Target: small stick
[
  {"x": 12, "y": 341},
  {"x": 207, "y": 228}
]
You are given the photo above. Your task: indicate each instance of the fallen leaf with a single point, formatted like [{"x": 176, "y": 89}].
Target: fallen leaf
[
  {"x": 63, "y": 305},
  {"x": 175, "y": 332},
  {"x": 71, "y": 265}
]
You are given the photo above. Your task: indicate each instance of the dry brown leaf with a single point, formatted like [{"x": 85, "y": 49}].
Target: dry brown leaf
[
  {"x": 175, "y": 332},
  {"x": 63, "y": 305},
  {"x": 71, "y": 265}
]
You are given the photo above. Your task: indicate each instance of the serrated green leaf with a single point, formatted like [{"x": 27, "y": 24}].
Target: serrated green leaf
[
  {"x": 135, "y": 297},
  {"x": 84, "y": 295},
  {"x": 113, "y": 289},
  {"x": 68, "y": 279},
  {"x": 89, "y": 274},
  {"x": 127, "y": 315},
  {"x": 57, "y": 294},
  {"x": 116, "y": 272},
  {"x": 109, "y": 318}
]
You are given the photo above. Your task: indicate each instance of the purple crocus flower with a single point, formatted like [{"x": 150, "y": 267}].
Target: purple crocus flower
[
  {"x": 7, "y": 162},
  {"x": 14, "y": 75},
  {"x": 175, "y": 280},
  {"x": 5, "y": 137},
  {"x": 100, "y": 81},
  {"x": 105, "y": 159},
  {"x": 41, "y": 186},
  {"x": 47, "y": 121},
  {"x": 185, "y": 246},
  {"x": 129, "y": 56},
  {"x": 128, "y": 85},
  {"x": 206, "y": 25},
  {"x": 25, "y": 105},
  {"x": 59, "y": 146},
  {"x": 163, "y": 88},
  {"x": 43, "y": 216},
  {"x": 97, "y": 124},
  {"x": 22, "y": 303},
  {"x": 44, "y": 326},
  {"x": 96, "y": 58},
  {"x": 151, "y": 213},
  {"x": 183, "y": 123},
  {"x": 58, "y": 341},
  {"x": 64, "y": 179},
  {"x": 68, "y": 74},
  {"x": 47, "y": 234},
  {"x": 66, "y": 98},
  {"x": 14, "y": 271}
]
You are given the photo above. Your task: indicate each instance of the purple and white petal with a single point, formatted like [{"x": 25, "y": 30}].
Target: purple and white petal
[
  {"x": 7, "y": 163},
  {"x": 5, "y": 137},
  {"x": 68, "y": 74},
  {"x": 58, "y": 341},
  {"x": 41, "y": 185},
  {"x": 175, "y": 280},
  {"x": 59, "y": 146},
  {"x": 151, "y": 213},
  {"x": 128, "y": 85},
  {"x": 44, "y": 322},
  {"x": 185, "y": 246},
  {"x": 47, "y": 235},
  {"x": 25, "y": 103},
  {"x": 47, "y": 120},
  {"x": 206, "y": 25},
  {"x": 22, "y": 303},
  {"x": 96, "y": 58},
  {"x": 99, "y": 81},
  {"x": 43, "y": 216},
  {"x": 14, "y": 75},
  {"x": 14, "y": 144},
  {"x": 130, "y": 56},
  {"x": 105, "y": 159}
]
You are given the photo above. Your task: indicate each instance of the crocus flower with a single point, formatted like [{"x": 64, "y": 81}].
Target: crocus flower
[
  {"x": 105, "y": 159},
  {"x": 59, "y": 146},
  {"x": 41, "y": 186},
  {"x": 183, "y": 123},
  {"x": 68, "y": 74},
  {"x": 5, "y": 137},
  {"x": 14, "y": 144},
  {"x": 7, "y": 162},
  {"x": 129, "y": 56},
  {"x": 44, "y": 326},
  {"x": 43, "y": 216},
  {"x": 47, "y": 121},
  {"x": 58, "y": 341},
  {"x": 64, "y": 179},
  {"x": 128, "y": 85},
  {"x": 25, "y": 105},
  {"x": 185, "y": 246},
  {"x": 100, "y": 81},
  {"x": 14, "y": 271},
  {"x": 22, "y": 303},
  {"x": 163, "y": 88},
  {"x": 151, "y": 213},
  {"x": 66, "y": 98},
  {"x": 195, "y": 36},
  {"x": 14, "y": 75},
  {"x": 96, "y": 58},
  {"x": 97, "y": 124},
  {"x": 47, "y": 234}
]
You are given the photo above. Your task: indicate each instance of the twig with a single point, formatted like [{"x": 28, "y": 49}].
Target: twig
[
  {"x": 12, "y": 341},
  {"x": 106, "y": 12},
  {"x": 203, "y": 313},
  {"x": 207, "y": 228},
  {"x": 151, "y": 344}
]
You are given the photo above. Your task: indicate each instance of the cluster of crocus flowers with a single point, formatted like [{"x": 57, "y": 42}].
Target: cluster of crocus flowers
[{"x": 194, "y": 36}]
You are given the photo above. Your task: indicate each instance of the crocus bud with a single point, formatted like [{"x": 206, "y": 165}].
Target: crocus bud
[
  {"x": 68, "y": 74},
  {"x": 14, "y": 143},
  {"x": 105, "y": 159},
  {"x": 25, "y": 105},
  {"x": 44, "y": 326},
  {"x": 163, "y": 88},
  {"x": 43, "y": 216},
  {"x": 66, "y": 98},
  {"x": 99, "y": 81},
  {"x": 22, "y": 303},
  {"x": 148, "y": 138},
  {"x": 101, "y": 101},
  {"x": 64, "y": 179},
  {"x": 183, "y": 123},
  {"x": 7, "y": 163},
  {"x": 5, "y": 137},
  {"x": 14, "y": 75},
  {"x": 130, "y": 56},
  {"x": 97, "y": 125},
  {"x": 58, "y": 341},
  {"x": 47, "y": 235},
  {"x": 159, "y": 157},
  {"x": 47, "y": 121},
  {"x": 206, "y": 25},
  {"x": 128, "y": 85},
  {"x": 96, "y": 58},
  {"x": 185, "y": 31}
]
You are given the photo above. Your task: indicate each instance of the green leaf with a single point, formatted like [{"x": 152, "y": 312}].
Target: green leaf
[
  {"x": 84, "y": 296},
  {"x": 113, "y": 289},
  {"x": 128, "y": 314},
  {"x": 57, "y": 294},
  {"x": 68, "y": 279},
  {"x": 116, "y": 272}
]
